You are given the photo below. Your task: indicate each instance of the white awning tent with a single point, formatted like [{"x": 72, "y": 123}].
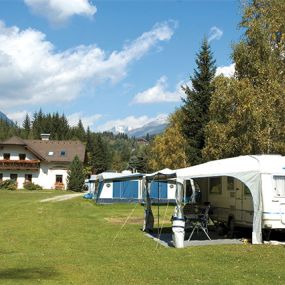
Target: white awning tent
[{"x": 247, "y": 169}]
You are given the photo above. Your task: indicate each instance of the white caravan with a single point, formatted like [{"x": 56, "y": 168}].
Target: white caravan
[{"x": 244, "y": 191}]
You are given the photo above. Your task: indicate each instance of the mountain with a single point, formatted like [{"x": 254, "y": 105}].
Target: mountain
[
  {"x": 3, "y": 117},
  {"x": 154, "y": 127}
]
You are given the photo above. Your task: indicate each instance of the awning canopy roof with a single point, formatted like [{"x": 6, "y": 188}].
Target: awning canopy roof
[
  {"x": 109, "y": 176},
  {"x": 236, "y": 167},
  {"x": 163, "y": 174}
]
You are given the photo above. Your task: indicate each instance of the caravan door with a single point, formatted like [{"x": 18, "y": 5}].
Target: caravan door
[
  {"x": 279, "y": 193},
  {"x": 243, "y": 204}
]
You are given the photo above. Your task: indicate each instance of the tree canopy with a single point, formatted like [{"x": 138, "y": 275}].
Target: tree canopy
[
  {"x": 196, "y": 104},
  {"x": 246, "y": 112},
  {"x": 168, "y": 150}
]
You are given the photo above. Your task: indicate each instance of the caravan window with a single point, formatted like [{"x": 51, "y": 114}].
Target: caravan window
[
  {"x": 188, "y": 192},
  {"x": 279, "y": 185},
  {"x": 246, "y": 191},
  {"x": 230, "y": 183},
  {"x": 215, "y": 185}
]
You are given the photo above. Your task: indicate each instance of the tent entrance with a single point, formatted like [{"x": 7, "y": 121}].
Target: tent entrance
[{"x": 230, "y": 199}]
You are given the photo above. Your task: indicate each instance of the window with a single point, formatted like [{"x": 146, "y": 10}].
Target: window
[
  {"x": 279, "y": 185},
  {"x": 246, "y": 191},
  {"x": 230, "y": 184},
  {"x": 13, "y": 176},
  {"x": 215, "y": 185},
  {"x": 22, "y": 156},
  {"x": 28, "y": 177},
  {"x": 6, "y": 156},
  {"x": 1, "y": 177},
  {"x": 63, "y": 153},
  {"x": 50, "y": 153},
  {"x": 58, "y": 179}
]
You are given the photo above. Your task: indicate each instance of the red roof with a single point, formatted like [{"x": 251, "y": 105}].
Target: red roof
[{"x": 50, "y": 150}]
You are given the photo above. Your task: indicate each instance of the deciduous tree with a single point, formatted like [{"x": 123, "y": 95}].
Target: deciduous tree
[
  {"x": 168, "y": 149},
  {"x": 247, "y": 114}
]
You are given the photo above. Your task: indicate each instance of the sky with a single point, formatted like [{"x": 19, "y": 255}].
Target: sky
[{"x": 110, "y": 63}]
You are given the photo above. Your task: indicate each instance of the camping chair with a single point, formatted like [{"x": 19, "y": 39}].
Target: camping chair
[{"x": 201, "y": 223}]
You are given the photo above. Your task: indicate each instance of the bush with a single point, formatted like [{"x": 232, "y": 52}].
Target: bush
[
  {"x": 32, "y": 186},
  {"x": 8, "y": 184}
]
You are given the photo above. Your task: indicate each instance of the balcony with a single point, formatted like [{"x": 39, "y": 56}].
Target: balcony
[{"x": 7, "y": 164}]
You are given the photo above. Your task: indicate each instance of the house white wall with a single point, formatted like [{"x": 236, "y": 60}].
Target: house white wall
[
  {"x": 45, "y": 176},
  {"x": 15, "y": 151}
]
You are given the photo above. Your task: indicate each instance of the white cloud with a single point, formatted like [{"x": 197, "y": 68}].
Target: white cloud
[
  {"x": 87, "y": 121},
  {"x": 18, "y": 116},
  {"x": 227, "y": 71},
  {"x": 215, "y": 34},
  {"x": 158, "y": 93},
  {"x": 59, "y": 11},
  {"x": 32, "y": 72},
  {"x": 131, "y": 122}
]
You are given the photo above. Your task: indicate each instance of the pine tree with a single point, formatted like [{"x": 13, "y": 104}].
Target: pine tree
[
  {"x": 26, "y": 126},
  {"x": 75, "y": 175},
  {"x": 99, "y": 156},
  {"x": 196, "y": 104},
  {"x": 80, "y": 132}
]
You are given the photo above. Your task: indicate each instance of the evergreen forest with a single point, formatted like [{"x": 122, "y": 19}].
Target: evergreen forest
[{"x": 104, "y": 151}]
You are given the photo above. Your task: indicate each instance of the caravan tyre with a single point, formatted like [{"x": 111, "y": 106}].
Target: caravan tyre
[
  {"x": 221, "y": 229},
  {"x": 231, "y": 225},
  {"x": 266, "y": 234}
]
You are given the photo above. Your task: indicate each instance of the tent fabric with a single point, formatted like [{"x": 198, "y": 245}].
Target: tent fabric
[
  {"x": 247, "y": 169},
  {"x": 165, "y": 173},
  {"x": 105, "y": 176},
  {"x": 235, "y": 166}
]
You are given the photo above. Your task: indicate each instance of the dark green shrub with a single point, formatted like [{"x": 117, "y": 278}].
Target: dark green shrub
[
  {"x": 32, "y": 186},
  {"x": 75, "y": 175},
  {"x": 9, "y": 184}
]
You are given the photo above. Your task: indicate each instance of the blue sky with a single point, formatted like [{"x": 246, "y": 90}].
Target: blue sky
[{"x": 111, "y": 63}]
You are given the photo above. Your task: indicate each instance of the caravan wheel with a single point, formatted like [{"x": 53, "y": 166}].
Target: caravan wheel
[
  {"x": 231, "y": 225},
  {"x": 266, "y": 234},
  {"x": 221, "y": 229}
]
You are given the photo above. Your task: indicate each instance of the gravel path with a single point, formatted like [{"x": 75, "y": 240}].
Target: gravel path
[{"x": 62, "y": 197}]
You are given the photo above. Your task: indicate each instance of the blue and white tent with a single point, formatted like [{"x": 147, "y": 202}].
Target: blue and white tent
[{"x": 113, "y": 187}]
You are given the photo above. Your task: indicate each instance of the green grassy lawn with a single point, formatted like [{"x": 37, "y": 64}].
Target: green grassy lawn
[{"x": 72, "y": 242}]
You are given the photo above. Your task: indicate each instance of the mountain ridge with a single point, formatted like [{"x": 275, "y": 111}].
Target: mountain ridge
[
  {"x": 152, "y": 128},
  {"x": 4, "y": 117}
]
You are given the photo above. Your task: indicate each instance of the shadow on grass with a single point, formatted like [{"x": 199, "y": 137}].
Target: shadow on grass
[{"x": 28, "y": 273}]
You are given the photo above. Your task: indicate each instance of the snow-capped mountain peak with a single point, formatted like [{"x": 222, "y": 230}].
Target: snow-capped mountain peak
[{"x": 152, "y": 127}]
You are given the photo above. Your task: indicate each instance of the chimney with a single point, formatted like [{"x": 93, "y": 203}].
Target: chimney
[{"x": 45, "y": 137}]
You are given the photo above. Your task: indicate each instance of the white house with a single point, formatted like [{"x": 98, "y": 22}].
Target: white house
[{"x": 44, "y": 162}]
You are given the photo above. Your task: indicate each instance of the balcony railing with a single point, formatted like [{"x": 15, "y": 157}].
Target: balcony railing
[
  {"x": 59, "y": 186},
  {"x": 6, "y": 164}
]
